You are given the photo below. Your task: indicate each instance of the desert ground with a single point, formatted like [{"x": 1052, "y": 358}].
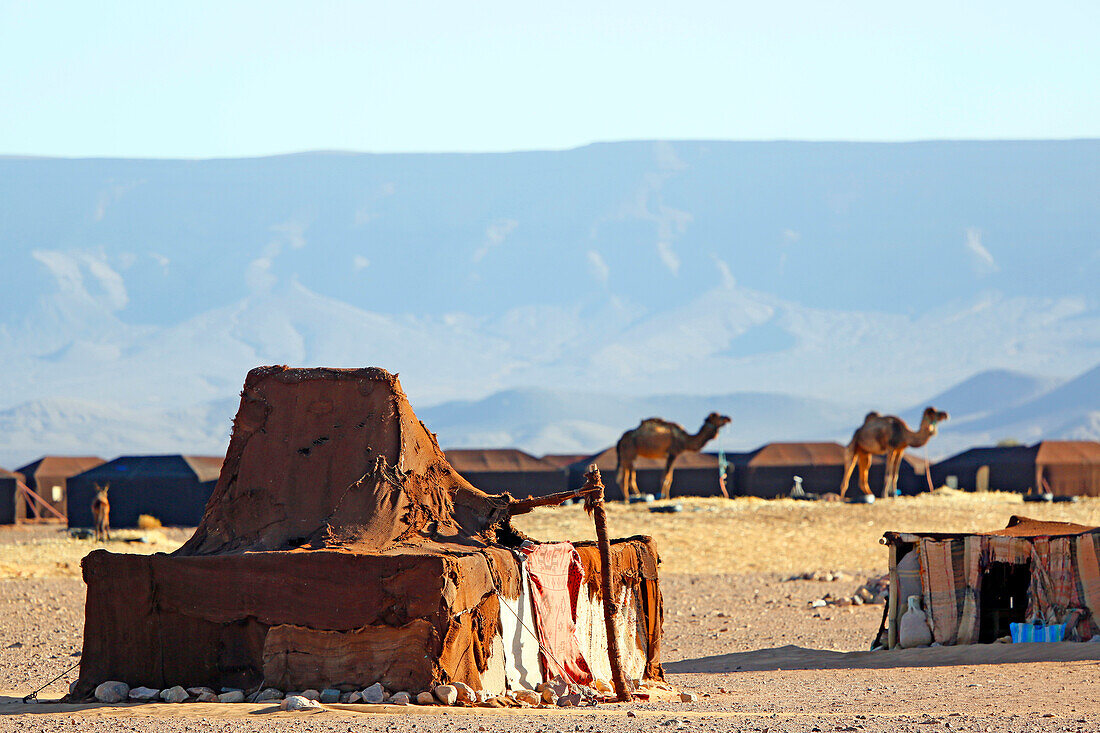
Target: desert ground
[{"x": 739, "y": 632}]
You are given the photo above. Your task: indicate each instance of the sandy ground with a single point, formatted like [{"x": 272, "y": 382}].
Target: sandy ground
[{"x": 737, "y": 631}]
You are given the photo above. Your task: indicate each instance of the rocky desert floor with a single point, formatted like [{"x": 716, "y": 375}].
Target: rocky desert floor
[{"x": 738, "y": 632}]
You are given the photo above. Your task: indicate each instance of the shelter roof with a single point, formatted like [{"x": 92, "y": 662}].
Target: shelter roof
[
  {"x": 563, "y": 460},
  {"x": 1068, "y": 451},
  {"x": 207, "y": 468},
  {"x": 608, "y": 460},
  {"x": 204, "y": 468},
  {"x": 10, "y": 474},
  {"x": 1022, "y": 527},
  {"x": 473, "y": 460},
  {"x": 61, "y": 465},
  {"x": 798, "y": 454}
]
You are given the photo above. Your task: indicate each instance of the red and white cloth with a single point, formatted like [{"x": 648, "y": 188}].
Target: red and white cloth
[{"x": 556, "y": 578}]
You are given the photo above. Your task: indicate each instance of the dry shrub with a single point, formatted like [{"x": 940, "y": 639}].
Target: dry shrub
[{"x": 148, "y": 521}]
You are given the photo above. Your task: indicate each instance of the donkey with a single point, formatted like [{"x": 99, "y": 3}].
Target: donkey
[{"x": 101, "y": 512}]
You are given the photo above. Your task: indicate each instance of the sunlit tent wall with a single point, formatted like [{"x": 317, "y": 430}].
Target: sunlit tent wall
[
  {"x": 9, "y": 495},
  {"x": 340, "y": 549},
  {"x": 172, "y": 488},
  {"x": 48, "y": 477},
  {"x": 769, "y": 471},
  {"x": 973, "y": 586},
  {"x": 1062, "y": 467},
  {"x": 496, "y": 470},
  {"x": 695, "y": 474}
]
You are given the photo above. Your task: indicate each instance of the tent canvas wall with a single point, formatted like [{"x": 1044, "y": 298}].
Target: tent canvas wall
[
  {"x": 49, "y": 476},
  {"x": 1064, "y": 467},
  {"x": 972, "y": 586},
  {"x": 1068, "y": 467},
  {"x": 172, "y": 488},
  {"x": 694, "y": 474},
  {"x": 9, "y": 495},
  {"x": 769, "y": 471},
  {"x": 341, "y": 549},
  {"x": 496, "y": 470}
]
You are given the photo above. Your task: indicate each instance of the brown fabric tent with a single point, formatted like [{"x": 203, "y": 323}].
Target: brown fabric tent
[
  {"x": 1062, "y": 467},
  {"x": 974, "y": 585},
  {"x": 496, "y": 470},
  {"x": 1068, "y": 467},
  {"x": 48, "y": 477},
  {"x": 338, "y": 549},
  {"x": 769, "y": 471},
  {"x": 694, "y": 474}
]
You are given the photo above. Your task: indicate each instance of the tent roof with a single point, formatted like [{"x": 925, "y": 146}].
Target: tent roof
[
  {"x": 991, "y": 454},
  {"x": 203, "y": 468},
  {"x": 473, "y": 460},
  {"x": 798, "y": 454},
  {"x": 1068, "y": 451},
  {"x": 1023, "y": 527},
  {"x": 207, "y": 468},
  {"x": 10, "y": 474},
  {"x": 607, "y": 461},
  {"x": 563, "y": 460},
  {"x": 61, "y": 465}
]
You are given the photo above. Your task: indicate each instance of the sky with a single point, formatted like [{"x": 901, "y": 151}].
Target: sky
[{"x": 222, "y": 79}]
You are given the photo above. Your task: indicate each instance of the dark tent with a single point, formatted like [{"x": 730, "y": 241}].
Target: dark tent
[
  {"x": 496, "y": 470},
  {"x": 1061, "y": 467},
  {"x": 563, "y": 460},
  {"x": 48, "y": 477},
  {"x": 9, "y": 494},
  {"x": 173, "y": 488},
  {"x": 694, "y": 474},
  {"x": 769, "y": 471}
]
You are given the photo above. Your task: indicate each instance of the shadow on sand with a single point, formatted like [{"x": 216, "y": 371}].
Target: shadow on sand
[{"x": 795, "y": 657}]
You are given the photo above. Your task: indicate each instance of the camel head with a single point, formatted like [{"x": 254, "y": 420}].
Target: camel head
[
  {"x": 101, "y": 491},
  {"x": 717, "y": 420},
  {"x": 932, "y": 417}
]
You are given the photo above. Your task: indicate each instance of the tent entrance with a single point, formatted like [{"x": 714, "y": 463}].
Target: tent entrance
[{"x": 1003, "y": 600}]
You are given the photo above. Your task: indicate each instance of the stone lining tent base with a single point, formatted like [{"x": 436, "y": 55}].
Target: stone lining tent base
[{"x": 339, "y": 549}]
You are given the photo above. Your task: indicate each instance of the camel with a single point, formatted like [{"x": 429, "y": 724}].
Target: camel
[
  {"x": 101, "y": 512},
  {"x": 657, "y": 438},
  {"x": 889, "y": 435}
]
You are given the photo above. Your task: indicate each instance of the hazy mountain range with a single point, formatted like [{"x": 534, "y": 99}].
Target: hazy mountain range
[{"x": 548, "y": 300}]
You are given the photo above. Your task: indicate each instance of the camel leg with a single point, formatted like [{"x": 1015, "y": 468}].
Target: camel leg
[
  {"x": 850, "y": 466},
  {"x": 897, "y": 470},
  {"x": 635, "y": 491},
  {"x": 864, "y": 470},
  {"x": 666, "y": 482},
  {"x": 888, "y": 476},
  {"x": 622, "y": 475}
]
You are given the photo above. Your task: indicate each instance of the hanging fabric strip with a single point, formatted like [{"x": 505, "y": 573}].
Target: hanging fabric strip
[
  {"x": 938, "y": 581},
  {"x": 521, "y": 646},
  {"x": 973, "y": 552},
  {"x": 556, "y": 578}
]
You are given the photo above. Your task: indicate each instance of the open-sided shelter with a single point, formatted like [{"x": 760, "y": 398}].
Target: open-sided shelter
[
  {"x": 9, "y": 495},
  {"x": 340, "y": 549},
  {"x": 172, "y": 488},
  {"x": 48, "y": 477},
  {"x": 496, "y": 470},
  {"x": 694, "y": 474},
  {"x": 972, "y": 586},
  {"x": 769, "y": 470}
]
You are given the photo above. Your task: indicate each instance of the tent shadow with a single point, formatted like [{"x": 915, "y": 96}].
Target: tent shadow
[{"x": 799, "y": 658}]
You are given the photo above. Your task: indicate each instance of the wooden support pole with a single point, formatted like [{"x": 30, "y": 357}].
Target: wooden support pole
[{"x": 594, "y": 504}]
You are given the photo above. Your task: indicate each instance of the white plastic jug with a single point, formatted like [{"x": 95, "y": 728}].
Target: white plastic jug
[{"x": 913, "y": 628}]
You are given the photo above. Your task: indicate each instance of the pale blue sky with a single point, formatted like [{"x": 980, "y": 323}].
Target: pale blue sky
[{"x": 198, "y": 79}]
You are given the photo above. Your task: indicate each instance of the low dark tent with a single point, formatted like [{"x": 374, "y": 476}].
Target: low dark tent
[
  {"x": 563, "y": 460},
  {"x": 48, "y": 477},
  {"x": 173, "y": 488},
  {"x": 694, "y": 474},
  {"x": 9, "y": 495},
  {"x": 1062, "y": 467},
  {"x": 769, "y": 471},
  {"x": 496, "y": 470}
]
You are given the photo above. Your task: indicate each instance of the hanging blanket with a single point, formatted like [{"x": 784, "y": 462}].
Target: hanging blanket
[
  {"x": 943, "y": 586},
  {"x": 517, "y": 628},
  {"x": 556, "y": 578},
  {"x": 1088, "y": 571}
]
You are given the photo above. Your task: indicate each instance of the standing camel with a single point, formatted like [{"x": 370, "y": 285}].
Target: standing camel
[
  {"x": 101, "y": 513},
  {"x": 887, "y": 435},
  {"x": 657, "y": 438}
]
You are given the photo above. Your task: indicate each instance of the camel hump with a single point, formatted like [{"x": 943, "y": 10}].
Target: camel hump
[{"x": 871, "y": 416}]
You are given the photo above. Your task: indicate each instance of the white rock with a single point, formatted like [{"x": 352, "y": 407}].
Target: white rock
[
  {"x": 465, "y": 692},
  {"x": 485, "y": 695},
  {"x": 425, "y": 698},
  {"x": 446, "y": 694},
  {"x": 174, "y": 694},
  {"x": 374, "y": 694},
  {"x": 401, "y": 698},
  {"x": 268, "y": 694},
  {"x": 297, "y": 702},
  {"x": 688, "y": 697},
  {"x": 312, "y": 695},
  {"x": 602, "y": 686},
  {"x": 231, "y": 696},
  {"x": 112, "y": 691},
  {"x": 144, "y": 694},
  {"x": 355, "y": 697},
  {"x": 819, "y": 603}
]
